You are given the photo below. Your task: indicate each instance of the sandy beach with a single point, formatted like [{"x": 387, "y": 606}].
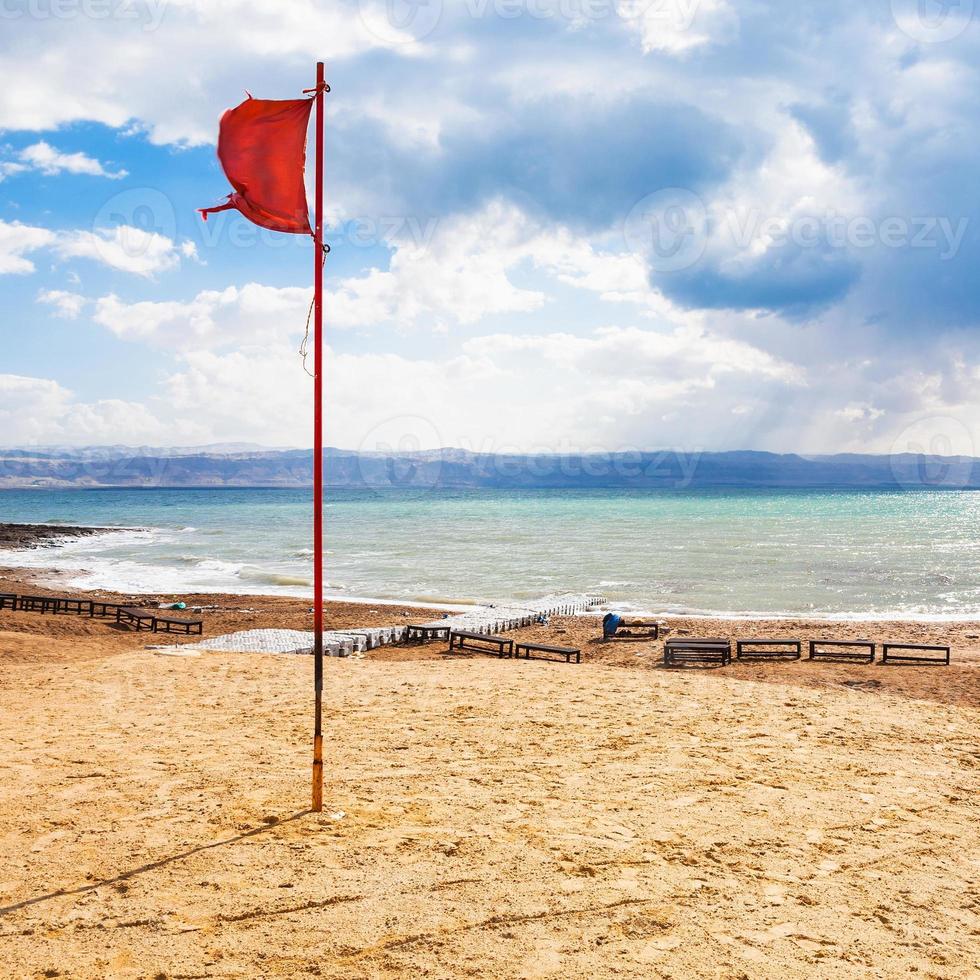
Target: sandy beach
[{"x": 483, "y": 817}]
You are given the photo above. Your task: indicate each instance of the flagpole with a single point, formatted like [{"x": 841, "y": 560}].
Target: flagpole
[{"x": 317, "y": 805}]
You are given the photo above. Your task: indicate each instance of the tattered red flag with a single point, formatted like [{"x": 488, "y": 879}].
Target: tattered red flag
[{"x": 262, "y": 149}]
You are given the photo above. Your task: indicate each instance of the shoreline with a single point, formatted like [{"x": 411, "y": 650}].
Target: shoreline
[
  {"x": 31, "y": 537},
  {"x": 51, "y": 577},
  {"x": 28, "y": 635}
]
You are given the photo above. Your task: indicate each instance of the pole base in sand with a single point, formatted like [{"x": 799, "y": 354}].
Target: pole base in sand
[{"x": 317, "y": 805}]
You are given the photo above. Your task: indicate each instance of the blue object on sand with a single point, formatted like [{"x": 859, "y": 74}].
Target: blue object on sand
[{"x": 610, "y": 623}]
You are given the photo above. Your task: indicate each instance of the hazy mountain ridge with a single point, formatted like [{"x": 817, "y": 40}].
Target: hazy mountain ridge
[{"x": 95, "y": 467}]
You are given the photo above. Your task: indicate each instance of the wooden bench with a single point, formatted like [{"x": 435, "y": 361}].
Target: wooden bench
[
  {"x": 38, "y": 603},
  {"x": 8, "y": 600},
  {"x": 712, "y": 650},
  {"x": 637, "y": 629},
  {"x": 175, "y": 624},
  {"x": 917, "y": 654},
  {"x": 768, "y": 649},
  {"x": 68, "y": 605},
  {"x": 423, "y": 633},
  {"x": 847, "y": 651},
  {"x": 100, "y": 608},
  {"x": 481, "y": 642},
  {"x": 566, "y": 652},
  {"x": 130, "y": 615}
]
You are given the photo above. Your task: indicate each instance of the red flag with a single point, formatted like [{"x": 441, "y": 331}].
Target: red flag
[{"x": 262, "y": 149}]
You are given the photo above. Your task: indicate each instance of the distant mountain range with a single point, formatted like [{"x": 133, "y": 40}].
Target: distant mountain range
[{"x": 232, "y": 466}]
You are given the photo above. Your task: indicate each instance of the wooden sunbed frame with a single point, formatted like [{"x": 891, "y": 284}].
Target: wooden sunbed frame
[
  {"x": 914, "y": 653},
  {"x": 566, "y": 652},
  {"x": 712, "y": 650},
  {"x": 772, "y": 649},
  {"x": 131, "y": 615},
  {"x": 481, "y": 642},
  {"x": 845, "y": 651},
  {"x": 143, "y": 618}
]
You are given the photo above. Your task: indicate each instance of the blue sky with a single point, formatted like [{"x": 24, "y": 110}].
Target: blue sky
[{"x": 556, "y": 225}]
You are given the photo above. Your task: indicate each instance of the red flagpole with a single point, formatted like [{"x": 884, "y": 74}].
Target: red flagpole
[{"x": 318, "y": 456}]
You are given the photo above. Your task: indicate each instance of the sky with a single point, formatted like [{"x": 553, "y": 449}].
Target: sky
[{"x": 555, "y": 225}]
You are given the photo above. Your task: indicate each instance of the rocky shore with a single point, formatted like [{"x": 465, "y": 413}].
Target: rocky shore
[{"x": 13, "y": 536}]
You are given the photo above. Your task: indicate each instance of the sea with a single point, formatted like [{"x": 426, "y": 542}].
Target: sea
[{"x": 857, "y": 554}]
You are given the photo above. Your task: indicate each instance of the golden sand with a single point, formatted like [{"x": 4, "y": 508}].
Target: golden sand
[{"x": 484, "y": 817}]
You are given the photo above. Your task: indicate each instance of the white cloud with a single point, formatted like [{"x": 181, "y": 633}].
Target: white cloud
[
  {"x": 16, "y": 240},
  {"x": 678, "y": 26},
  {"x": 50, "y": 161},
  {"x": 10, "y": 168},
  {"x": 155, "y": 61},
  {"x": 762, "y": 206},
  {"x": 39, "y": 410},
  {"x": 616, "y": 277},
  {"x": 124, "y": 247},
  {"x": 459, "y": 274},
  {"x": 248, "y": 314},
  {"x": 615, "y": 387},
  {"x": 260, "y": 390},
  {"x": 461, "y": 270},
  {"x": 67, "y": 305}
]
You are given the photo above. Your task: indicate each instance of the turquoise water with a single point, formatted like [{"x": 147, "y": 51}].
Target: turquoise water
[{"x": 810, "y": 552}]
